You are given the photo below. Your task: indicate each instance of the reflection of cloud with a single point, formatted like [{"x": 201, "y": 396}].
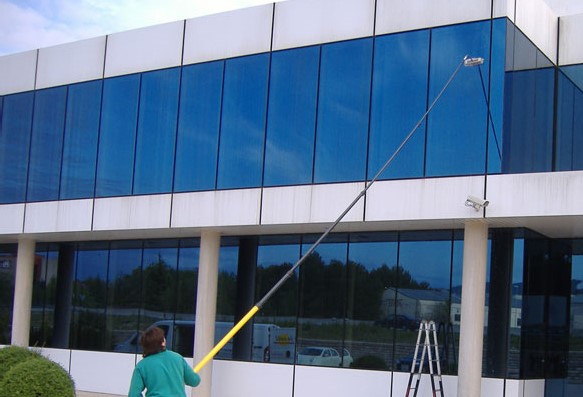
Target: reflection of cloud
[{"x": 31, "y": 24}]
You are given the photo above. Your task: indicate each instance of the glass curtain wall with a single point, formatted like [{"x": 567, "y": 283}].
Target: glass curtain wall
[{"x": 7, "y": 274}]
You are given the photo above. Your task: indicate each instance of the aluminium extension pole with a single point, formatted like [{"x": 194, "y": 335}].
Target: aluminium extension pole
[{"x": 467, "y": 61}]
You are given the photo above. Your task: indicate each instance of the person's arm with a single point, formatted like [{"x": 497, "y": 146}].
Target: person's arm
[
  {"x": 191, "y": 378},
  {"x": 137, "y": 384}
]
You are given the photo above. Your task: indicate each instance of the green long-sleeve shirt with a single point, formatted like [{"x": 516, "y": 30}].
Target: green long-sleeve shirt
[{"x": 163, "y": 374}]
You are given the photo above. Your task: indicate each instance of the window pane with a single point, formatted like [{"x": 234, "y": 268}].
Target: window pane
[
  {"x": 7, "y": 274},
  {"x": 289, "y": 151},
  {"x": 369, "y": 333},
  {"x": 186, "y": 290},
  {"x": 156, "y": 132},
  {"x": 398, "y": 103},
  {"x": 198, "y": 127},
  {"x": 47, "y": 144},
  {"x": 456, "y": 133},
  {"x": 495, "y": 129},
  {"x": 43, "y": 297},
  {"x": 117, "y": 136},
  {"x": 322, "y": 305},
  {"x": 243, "y": 122},
  {"x": 80, "y": 146},
  {"x": 569, "y": 119},
  {"x": 15, "y": 128},
  {"x": 123, "y": 292},
  {"x": 226, "y": 295},
  {"x": 89, "y": 298},
  {"x": 343, "y": 111}
]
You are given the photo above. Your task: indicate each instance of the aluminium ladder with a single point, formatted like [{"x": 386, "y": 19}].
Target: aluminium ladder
[{"x": 430, "y": 348}]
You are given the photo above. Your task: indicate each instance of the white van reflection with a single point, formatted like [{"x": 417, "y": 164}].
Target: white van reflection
[{"x": 271, "y": 343}]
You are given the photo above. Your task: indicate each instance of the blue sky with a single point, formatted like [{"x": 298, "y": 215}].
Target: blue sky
[{"x": 31, "y": 24}]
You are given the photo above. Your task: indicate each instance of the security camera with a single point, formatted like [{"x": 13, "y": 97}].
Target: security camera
[{"x": 476, "y": 202}]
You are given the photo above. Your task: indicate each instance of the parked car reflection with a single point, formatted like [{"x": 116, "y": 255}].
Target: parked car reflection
[{"x": 324, "y": 356}]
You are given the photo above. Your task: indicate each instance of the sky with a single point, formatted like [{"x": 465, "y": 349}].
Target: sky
[{"x": 31, "y": 24}]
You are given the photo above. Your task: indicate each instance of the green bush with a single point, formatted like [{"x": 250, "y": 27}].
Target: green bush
[
  {"x": 13, "y": 355},
  {"x": 369, "y": 362},
  {"x": 39, "y": 377}
]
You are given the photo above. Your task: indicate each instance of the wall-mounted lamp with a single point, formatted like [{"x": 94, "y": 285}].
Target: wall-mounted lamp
[{"x": 476, "y": 202}]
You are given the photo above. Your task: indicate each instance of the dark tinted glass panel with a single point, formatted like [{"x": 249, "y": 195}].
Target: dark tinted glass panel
[
  {"x": 289, "y": 150},
  {"x": 226, "y": 295},
  {"x": 15, "y": 131},
  {"x": 243, "y": 122},
  {"x": 156, "y": 132},
  {"x": 398, "y": 103},
  {"x": 187, "y": 280},
  {"x": 198, "y": 127},
  {"x": 370, "y": 304},
  {"x": 47, "y": 144},
  {"x": 117, "y": 137},
  {"x": 528, "y": 121},
  {"x": 574, "y": 386},
  {"x": 123, "y": 292},
  {"x": 89, "y": 299},
  {"x": 7, "y": 273},
  {"x": 80, "y": 146},
  {"x": 322, "y": 305},
  {"x": 456, "y": 133},
  {"x": 43, "y": 297},
  {"x": 569, "y": 141},
  {"x": 343, "y": 111}
]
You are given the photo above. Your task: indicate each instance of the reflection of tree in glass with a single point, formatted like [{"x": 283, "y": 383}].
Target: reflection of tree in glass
[{"x": 283, "y": 303}]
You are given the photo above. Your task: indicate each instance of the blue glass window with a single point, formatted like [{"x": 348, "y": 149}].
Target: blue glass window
[
  {"x": 456, "y": 132},
  {"x": 289, "y": 149},
  {"x": 156, "y": 132},
  {"x": 46, "y": 148},
  {"x": 80, "y": 145},
  {"x": 15, "y": 129},
  {"x": 398, "y": 102},
  {"x": 117, "y": 136},
  {"x": 343, "y": 111},
  {"x": 528, "y": 121},
  {"x": 243, "y": 122},
  {"x": 198, "y": 127},
  {"x": 570, "y": 119}
]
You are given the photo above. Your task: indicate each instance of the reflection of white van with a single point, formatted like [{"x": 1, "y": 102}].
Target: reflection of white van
[{"x": 270, "y": 342}]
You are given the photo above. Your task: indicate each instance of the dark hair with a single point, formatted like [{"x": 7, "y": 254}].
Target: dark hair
[{"x": 152, "y": 341}]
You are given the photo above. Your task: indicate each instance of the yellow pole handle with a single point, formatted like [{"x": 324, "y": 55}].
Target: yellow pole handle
[{"x": 226, "y": 338}]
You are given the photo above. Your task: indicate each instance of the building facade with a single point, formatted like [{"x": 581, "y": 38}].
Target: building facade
[{"x": 175, "y": 173}]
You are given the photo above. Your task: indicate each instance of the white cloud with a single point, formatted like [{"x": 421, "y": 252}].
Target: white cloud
[{"x": 31, "y": 24}]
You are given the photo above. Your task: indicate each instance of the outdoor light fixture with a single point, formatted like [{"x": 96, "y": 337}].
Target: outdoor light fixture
[
  {"x": 476, "y": 202},
  {"x": 473, "y": 61}
]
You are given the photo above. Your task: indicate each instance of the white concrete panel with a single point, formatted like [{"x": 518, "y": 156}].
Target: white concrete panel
[
  {"x": 329, "y": 201},
  {"x": 58, "y": 216},
  {"x": 514, "y": 388},
  {"x": 540, "y": 24},
  {"x": 154, "y": 47},
  {"x": 570, "y": 33},
  {"x": 322, "y": 381},
  {"x": 399, "y": 16},
  {"x": 271, "y": 380},
  {"x": 492, "y": 387},
  {"x": 503, "y": 8},
  {"x": 304, "y": 22},
  {"x": 12, "y": 218},
  {"x": 540, "y": 194},
  {"x": 534, "y": 387},
  {"x": 71, "y": 63},
  {"x": 229, "y": 34},
  {"x": 60, "y": 356},
  {"x": 437, "y": 198},
  {"x": 100, "y": 372},
  {"x": 137, "y": 212},
  {"x": 216, "y": 208},
  {"x": 18, "y": 72},
  {"x": 285, "y": 205}
]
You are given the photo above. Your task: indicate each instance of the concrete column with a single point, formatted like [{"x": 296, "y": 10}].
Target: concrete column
[
  {"x": 23, "y": 293},
  {"x": 472, "y": 309},
  {"x": 206, "y": 308}
]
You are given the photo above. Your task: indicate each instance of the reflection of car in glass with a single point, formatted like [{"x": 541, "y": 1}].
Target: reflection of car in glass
[
  {"x": 398, "y": 321},
  {"x": 324, "y": 356}
]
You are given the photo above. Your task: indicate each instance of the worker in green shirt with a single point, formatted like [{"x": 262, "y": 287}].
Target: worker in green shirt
[{"x": 163, "y": 373}]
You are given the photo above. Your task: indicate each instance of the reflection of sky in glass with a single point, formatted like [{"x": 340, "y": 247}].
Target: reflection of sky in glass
[
  {"x": 188, "y": 258},
  {"x": 167, "y": 255},
  {"x": 329, "y": 252},
  {"x": 122, "y": 262},
  {"x": 518, "y": 261},
  {"x": 269, "y": 255},
  {"x": 458, "y": 260},
  {"x": 427, "y": 261},
  {"x": 577, "y": 270},
  {"x": 91, "y": 264},
  {"x": 373, "y": 255},
  {"x": 228, "y": 258}
]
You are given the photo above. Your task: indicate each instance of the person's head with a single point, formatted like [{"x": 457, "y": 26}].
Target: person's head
[{"x": 152, "y": 341}]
